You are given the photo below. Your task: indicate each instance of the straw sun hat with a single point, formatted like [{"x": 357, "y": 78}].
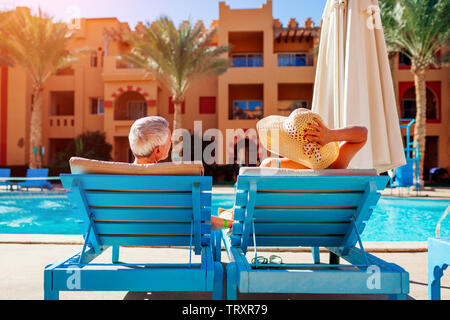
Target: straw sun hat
[{"x": 285, "y": 137}]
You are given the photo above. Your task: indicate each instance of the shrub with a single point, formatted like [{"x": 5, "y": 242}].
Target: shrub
[{"x": 91, "y": 145}]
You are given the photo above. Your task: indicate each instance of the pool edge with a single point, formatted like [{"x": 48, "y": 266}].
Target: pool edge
[{"x": 370, "y": 246}]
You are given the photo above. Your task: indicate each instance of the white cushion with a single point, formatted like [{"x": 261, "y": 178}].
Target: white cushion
[
  {"x": 88, "y": 166},
  {"x": 263, "y": 171}
]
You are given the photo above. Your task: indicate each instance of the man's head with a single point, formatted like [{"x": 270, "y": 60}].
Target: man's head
[{"x": 150, "y": 139}]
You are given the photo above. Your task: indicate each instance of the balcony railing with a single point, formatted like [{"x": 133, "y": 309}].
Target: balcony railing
[
  {"x": 117, "y": 70},
  {"x": 295, "y": 60},
  {"x": 120, "y": 64},
  {"x": 62, "y": 121},
  {"x": 247, "y": 60}
]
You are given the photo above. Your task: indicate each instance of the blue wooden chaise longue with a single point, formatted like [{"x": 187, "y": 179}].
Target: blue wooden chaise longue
[
  {"x": 35, "y": 173},
  {"x": 138, "y": 210},
  {"x": 289, "y": 208},
  {"x": 438, "y": 259},
  {"x": 5, "y": 173}
]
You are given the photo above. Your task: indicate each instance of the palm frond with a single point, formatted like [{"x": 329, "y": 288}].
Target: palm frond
[
  {"x": 36, "y": 43},
  {"x": 417, "y": 28},
  {"x": 176, "y": 56}
]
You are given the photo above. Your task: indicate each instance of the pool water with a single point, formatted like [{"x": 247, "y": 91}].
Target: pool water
[
  {"x": 37, "y": 215},
  {"x": 392, "y": 219}
]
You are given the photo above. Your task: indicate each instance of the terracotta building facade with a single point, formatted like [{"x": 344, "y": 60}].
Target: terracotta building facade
[{"x": 273, "y": 73}]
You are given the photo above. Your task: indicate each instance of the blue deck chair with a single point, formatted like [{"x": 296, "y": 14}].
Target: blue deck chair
[
  {"x": 35, "y": 173},
  {"x": 312, "y": 210},
  {"x": 438, "y": 260},
  {"x": 138, "y": 210},
  {"x": 5, "y": 173}
]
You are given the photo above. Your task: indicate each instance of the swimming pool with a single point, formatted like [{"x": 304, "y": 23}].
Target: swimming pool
[{"x": 392, "y": 220}]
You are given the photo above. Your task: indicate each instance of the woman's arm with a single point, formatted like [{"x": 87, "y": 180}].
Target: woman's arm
[
  {"x": 355, "y": 138},
  {"x": 322, "y": 135}
]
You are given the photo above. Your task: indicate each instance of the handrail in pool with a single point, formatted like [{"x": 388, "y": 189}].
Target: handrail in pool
[
  {"x": 26, "y": 178},
  {"x": 438, "y": 226}
]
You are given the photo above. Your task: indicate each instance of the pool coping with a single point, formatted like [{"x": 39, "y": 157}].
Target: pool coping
[{"x": 369, "y": 246}]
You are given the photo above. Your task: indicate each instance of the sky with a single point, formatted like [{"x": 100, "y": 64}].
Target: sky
[{"x": 132, "y": 11}]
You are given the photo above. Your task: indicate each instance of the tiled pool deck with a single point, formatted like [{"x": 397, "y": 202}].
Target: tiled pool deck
[{"x": 25, "y": 257}]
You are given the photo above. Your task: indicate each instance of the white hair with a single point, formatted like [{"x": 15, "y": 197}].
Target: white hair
[{"x": 146, "y": 134}]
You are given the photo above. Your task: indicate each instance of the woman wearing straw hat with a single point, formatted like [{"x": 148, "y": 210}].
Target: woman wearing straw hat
[{"x": 304, "y": 142}]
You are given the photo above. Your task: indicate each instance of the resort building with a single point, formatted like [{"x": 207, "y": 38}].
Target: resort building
[{"x": 273, "y": 73}]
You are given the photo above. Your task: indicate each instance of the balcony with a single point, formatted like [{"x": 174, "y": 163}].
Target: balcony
[
  {"x": 117, "y": 70},
  {"x": 247, "y": 60},
  {"x": 292, "y": 96},
  {"x": 61, "y": 126},
  {"x": 300, "y": 59},
  {"x": 120, "y": 64},
  {"x": 246, "y": 102}
]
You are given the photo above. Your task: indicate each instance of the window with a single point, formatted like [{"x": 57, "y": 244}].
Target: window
[
  {"x": 247, "y": 110},
  {"x": 136, "y": 109},
  {"x": 294, "y": 60},
  {"x": 254, "y": 60},
  {"x": 408, "y": 103},
  {"x": 97, "y": 106},
  {"x": 94, "y": 60},
  {"x": 65, "y": 72},
  {"x": 172, "y": 107},
  {"x": 409, "y": 108},
  {"x": 247, "y": 60},
  {"x": 404, "y": 59},
  {"x": 286, "y": 106},
  {"x": 207, "y": 105}
]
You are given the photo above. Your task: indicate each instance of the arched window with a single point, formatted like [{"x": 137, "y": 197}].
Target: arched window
[
  {"x": 130, "y": 105},
  {"x": 408, "y": 104}
]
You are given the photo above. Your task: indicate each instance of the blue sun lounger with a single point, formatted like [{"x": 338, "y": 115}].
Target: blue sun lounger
[
  {"x": 283, "y": 208},
  {"x": 35, "y": 173},
  {"x": 5, "y": 173},
  {"x": 438, "y": 260},
  {"x": 138, "y": 210}
]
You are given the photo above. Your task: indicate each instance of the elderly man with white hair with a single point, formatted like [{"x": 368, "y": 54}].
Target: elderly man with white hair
[{"x": 150, "y": 140}]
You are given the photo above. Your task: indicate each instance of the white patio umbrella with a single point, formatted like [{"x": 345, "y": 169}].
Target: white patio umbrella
[{"x": 353, "y": 84}]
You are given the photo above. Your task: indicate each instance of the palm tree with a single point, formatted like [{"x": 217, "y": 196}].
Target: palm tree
[
  {"x": 419, "y": 29},
  {"x": 177, "y": 57},
  {"x": 38, "y": 45}
]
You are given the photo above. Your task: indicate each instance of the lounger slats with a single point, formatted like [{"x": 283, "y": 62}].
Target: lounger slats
[
  {"x": 143, "y": 211},
  {"x": 136, "y": 182},
  {"x": 160, "y": 212},
  {"x": 149, "y": 228},
  {"x": 311, "y": 183},
  {"x": 5, "y": 173},
  {"x": 281, "y": 229},
  {"x": 306, "y": 215},
  {"x": 144, "y": 199},
  {"x": 147, "y": 214},
  {"x": 281, "y": 211},
  {"x": 150, "y": 240},
  {"x": 305, "y": 200},
  {"x": 302, "y": 210},
  {"x": 291, "y": 241}
]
